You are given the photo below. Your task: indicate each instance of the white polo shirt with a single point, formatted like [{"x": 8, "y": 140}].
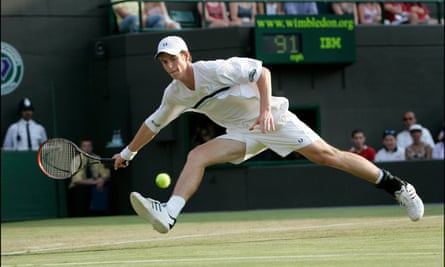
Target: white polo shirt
[
  {"x": 236, "y": 108},
  {"x": 17, "y": 138},
  {"x": 385, "y": 155}
]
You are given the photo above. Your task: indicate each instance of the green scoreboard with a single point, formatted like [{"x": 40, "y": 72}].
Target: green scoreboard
[{"x": 305, "y": 39}]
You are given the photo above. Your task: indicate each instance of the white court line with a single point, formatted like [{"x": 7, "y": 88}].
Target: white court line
[
  {"x": 195, "y": 236},
  {"x": 231, "y": 259}
]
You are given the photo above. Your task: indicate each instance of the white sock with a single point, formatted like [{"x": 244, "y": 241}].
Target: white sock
[
  {"x": 175, "y": 205},
  {"x": 379, "y": 179}
]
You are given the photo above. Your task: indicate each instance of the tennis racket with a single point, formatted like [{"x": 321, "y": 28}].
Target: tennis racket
[{"x": 60, "y": 158}]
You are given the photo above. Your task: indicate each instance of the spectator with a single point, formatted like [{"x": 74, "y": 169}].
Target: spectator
[
  {"x": 420, "y": 13},
  {"x": 25, "y": 134},
  {"x": 88, "y": 189},
  {"x": 242, "y": 13},
  {"x": 404, "y": 138},
  {"x": 440, "y": 135},
  {"x": 215, "y": 14},
  {"x": 156, "y": 9},
  {"x": 300, "y": 8},
  {"x": 153, "y": 16},
  {"x": 390, "y": 150},
  {"x": 369, "y": 13},
  {"x": 359, "y": 146},
  {"x": 271, "y": 8},
  {"x": 418, "y": 149},
  {"x": 127, "y": 16},
  {"x": 438, "y": 152},
  {"x": 346, "y": 8},
  {"x": 397, "y": 13}
]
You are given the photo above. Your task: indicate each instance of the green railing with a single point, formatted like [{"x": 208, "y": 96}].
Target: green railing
[{"x": 112, "y": 21}]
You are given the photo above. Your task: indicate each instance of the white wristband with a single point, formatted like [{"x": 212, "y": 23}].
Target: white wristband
[{"x": 127, "y": 154}]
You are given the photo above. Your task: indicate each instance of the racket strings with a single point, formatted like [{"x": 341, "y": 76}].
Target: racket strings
[{"x": 60, "y": 159}]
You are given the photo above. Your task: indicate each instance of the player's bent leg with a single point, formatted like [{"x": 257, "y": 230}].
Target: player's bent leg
[
  {"x": 322, "y": 153},
  {"x": 215, "y": 151},
  {"x": 162, "y": 216}
]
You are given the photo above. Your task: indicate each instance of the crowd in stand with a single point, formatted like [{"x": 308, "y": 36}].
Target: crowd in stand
[
  {"x": 414, "y": 142},
  {"x": 224, "y": 14}
]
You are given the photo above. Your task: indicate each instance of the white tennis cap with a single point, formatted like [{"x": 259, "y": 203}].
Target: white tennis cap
[
  {"x": 172, "y": 45},
  {"x": 415, "y": 127}
]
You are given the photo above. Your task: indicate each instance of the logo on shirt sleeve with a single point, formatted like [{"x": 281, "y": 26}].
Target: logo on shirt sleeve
[{"x": 252, "y": 75}]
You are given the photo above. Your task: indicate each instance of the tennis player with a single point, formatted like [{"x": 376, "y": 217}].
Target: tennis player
[{"x": 236, "y": 94}]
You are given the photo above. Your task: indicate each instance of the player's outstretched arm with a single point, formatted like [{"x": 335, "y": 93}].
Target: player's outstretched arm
[{"x": 142, "y": 137}]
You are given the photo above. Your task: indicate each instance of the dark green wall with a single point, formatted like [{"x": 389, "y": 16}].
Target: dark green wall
[
  {"x": 25, "y": 192},
  {"x": 52, "y": 38},
  {"x": 306, "y": 185}
]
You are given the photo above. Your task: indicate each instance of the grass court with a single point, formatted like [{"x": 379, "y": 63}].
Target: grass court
[{"x": 341, "y": 236}]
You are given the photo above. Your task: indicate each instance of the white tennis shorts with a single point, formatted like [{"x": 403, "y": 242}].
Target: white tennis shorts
[{"x": 291, "y": 134}]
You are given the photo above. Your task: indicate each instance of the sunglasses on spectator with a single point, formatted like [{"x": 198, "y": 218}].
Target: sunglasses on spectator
[
  {"x": 391, "y": 132},
  {"x": 408, "y": 119}
]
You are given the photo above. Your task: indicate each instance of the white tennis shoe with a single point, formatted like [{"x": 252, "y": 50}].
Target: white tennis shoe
[
  {"x": 153, "y": 211},
  {"x": 408, "y": 198}
]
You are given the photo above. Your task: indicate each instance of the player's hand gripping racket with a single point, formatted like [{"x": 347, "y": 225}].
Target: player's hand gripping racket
[{"x": 59, "y": 158}]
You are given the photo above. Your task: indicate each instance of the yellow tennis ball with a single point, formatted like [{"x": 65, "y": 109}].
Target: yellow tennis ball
[{"x": 163, "y": 180}]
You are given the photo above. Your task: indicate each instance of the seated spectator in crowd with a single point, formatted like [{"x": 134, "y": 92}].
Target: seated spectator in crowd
[
  {"x": 390, "y": 150},
  {"x": 420, "y": 13},
  {"x": 369, "y": 13},
  {"x": 397, "y": 13},
  {"x": 359, "y": 146},
  {"x": 243, "y": 13},
  {"x": 440, "y": 135},
  {"x": 127, "y": 16},
  {"x": 215, "y": 14},
  {"x": 270, "y": 8},
  {"x": 404, "y": 138},
  {"x": 300, "y": 8},
  {"x": 157, "y": 9},
  {"x": 26, "y": 133},
  {"x": 88, "y": 185},
  {"x": 154, "y": 15},
  {"x": 418, "y": 149},
  {"x": 438, "y": 152},
  {"x": 346, "y": 8}
]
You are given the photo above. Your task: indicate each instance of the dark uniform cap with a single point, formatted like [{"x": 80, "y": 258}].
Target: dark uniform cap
[{"x": 25, "y": 104}]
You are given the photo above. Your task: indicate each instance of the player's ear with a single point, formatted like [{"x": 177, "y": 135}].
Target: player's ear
[{"x": 187, "y": 56}]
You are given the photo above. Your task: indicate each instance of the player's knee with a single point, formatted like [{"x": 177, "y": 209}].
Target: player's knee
[
  {"x": 197, "y": 156},
  {"x": 326, "y": 157},
  {"x": 322, "y": 159}
]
